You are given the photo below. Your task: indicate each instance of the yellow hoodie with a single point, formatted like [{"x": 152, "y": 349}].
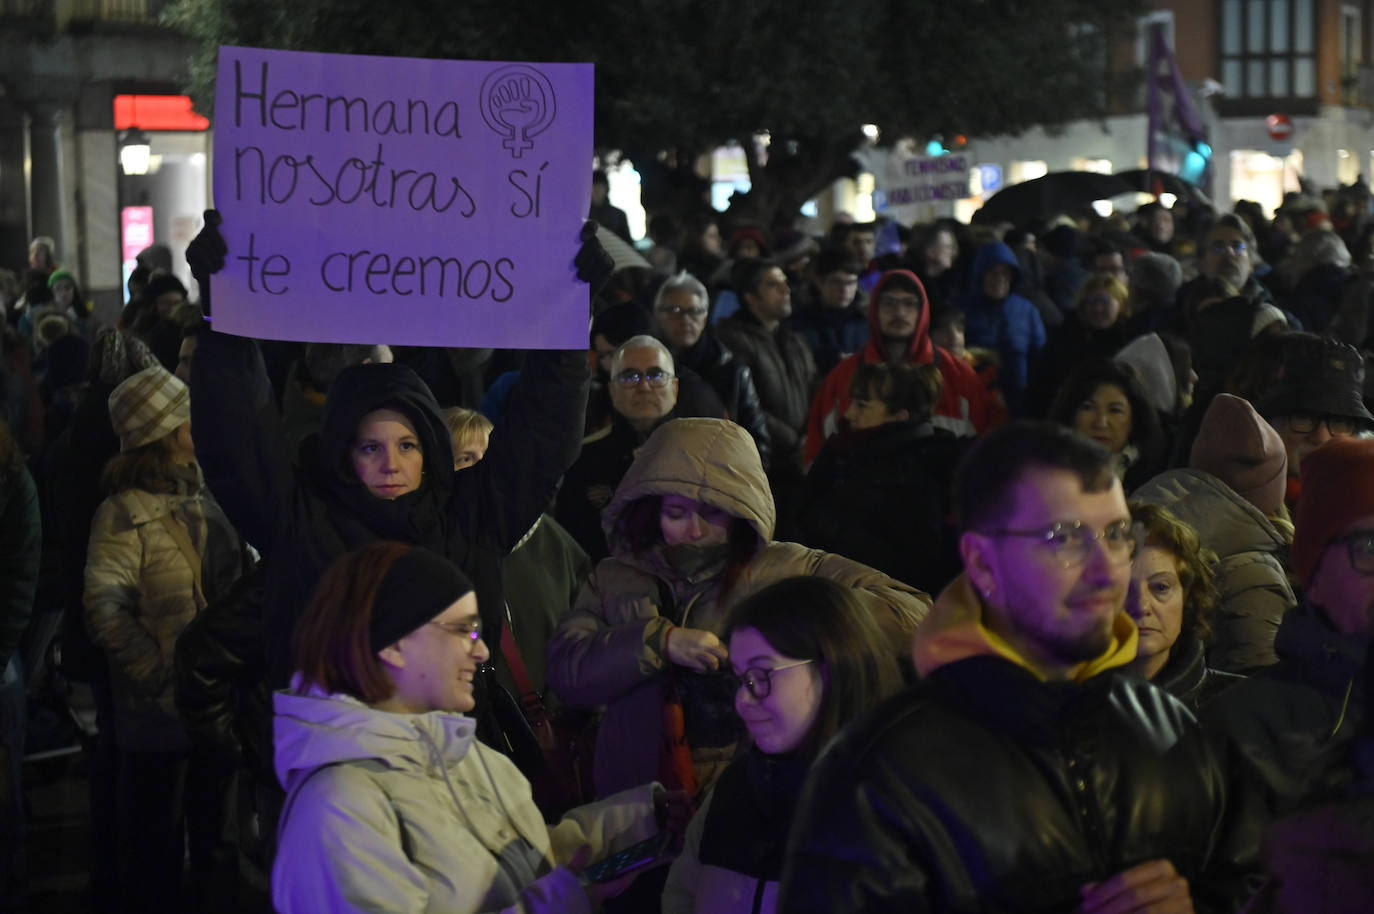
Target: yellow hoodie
[{"x": 954, "y": 630}]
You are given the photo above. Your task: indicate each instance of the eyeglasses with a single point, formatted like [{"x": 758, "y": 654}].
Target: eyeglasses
[
  {"x": 1360, "y": 546},
  {"x": 469, "y": 631},
  {"x": 1071, "y": 543},
  {"x": 656, "y": 377},
  {"x": 899, "y": 301},
  {"x": 675, "y": 311},
  {"x": 1227, "y": 247},
  {"x": 1306, "y": 424},
  {"x": 759, "y": 681}
]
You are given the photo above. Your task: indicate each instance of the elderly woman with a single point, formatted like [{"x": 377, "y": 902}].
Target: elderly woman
[
  {"x": 392, "y": 802},
  {"x": 1171, "y": 595},
  {"x": 690, "y": 530}
]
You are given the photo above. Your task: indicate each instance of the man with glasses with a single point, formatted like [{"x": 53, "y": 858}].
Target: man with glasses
[
  {"x": 899, "y": 331},
  {"x": 1295, "y": 724},
  {"x": 1027, "y": 771},
  {"x": 1227, "y": 271},
  {"x": 680, "y": 311},
  {"x": 644, "y": 394},
  {"x": 831, "y": 312}
]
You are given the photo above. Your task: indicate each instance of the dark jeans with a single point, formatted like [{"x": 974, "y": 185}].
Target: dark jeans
[
  {"x": 13, "y": 720},
  {"x": 163, "y": 797},
  {"x": 104, "y": 772}
]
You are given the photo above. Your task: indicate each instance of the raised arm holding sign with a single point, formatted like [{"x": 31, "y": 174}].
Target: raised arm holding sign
[{"x": 304, "y": 512}]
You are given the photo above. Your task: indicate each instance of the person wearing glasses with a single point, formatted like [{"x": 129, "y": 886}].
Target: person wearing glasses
[
  {"x": 899, "y": 331},
  {"x": 392, "y": 803},
  {"x": 691, "y": 535},
  {"x": 1294, "y": 728},
  {"x": 807, "y": 658},
  {"x": 1317, "y": 394},
  {"x": 1230, "y": 258},
  {"x": 1028, "y": 770},
  {"x": 831, "y": 313},
  {"x": 644, "y": 388},
  {"x": 680, "y": 314}
]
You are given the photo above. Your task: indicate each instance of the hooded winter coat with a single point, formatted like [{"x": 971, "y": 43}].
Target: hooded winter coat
[
  {"x": 410, "y": 813},
  {"x": 1012, "y": 326},
  {"x": 987, "y": 788},
  {"x": 303, "y": 518},
  {"x": 1254, "y": 591},
  {"x": 1292, "y": 725},
  {"x": 963, "y": 405},
  {"x": 611, "y": 649}
]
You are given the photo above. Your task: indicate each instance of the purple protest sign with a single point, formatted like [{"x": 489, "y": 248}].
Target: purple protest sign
[{"x": 401, "y": 201}]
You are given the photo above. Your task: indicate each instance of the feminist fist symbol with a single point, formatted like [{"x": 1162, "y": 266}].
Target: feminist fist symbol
[{"x": 518, "y": 104}]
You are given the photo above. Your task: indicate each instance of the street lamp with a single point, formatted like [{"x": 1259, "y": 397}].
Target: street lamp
[{"x": 135, "y": 152}]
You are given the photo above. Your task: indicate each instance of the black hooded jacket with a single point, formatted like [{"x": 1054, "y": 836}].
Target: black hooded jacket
[{"x": 302, "y": 518}]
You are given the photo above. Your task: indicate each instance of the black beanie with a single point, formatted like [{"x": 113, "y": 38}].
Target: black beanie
[{"x": 418, "y": 587}]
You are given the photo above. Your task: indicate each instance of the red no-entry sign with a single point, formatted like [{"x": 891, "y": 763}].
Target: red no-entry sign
[{"x": 1280, "y": 126}]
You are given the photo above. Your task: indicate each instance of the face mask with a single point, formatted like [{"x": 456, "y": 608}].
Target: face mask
[{"x": 691, "y": 561}]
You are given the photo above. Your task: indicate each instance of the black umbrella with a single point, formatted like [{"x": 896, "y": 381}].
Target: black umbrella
[
  {"x": 1161, "y": 182},
  {"x": 1055, "y": 193}
]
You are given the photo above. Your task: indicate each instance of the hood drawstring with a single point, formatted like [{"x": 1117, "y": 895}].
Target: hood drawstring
[
  {"x": 1345, "y": 704},
  {"x": 438, "y": 757}
]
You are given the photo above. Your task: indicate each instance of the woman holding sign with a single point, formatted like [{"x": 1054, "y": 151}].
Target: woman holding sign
[{"x": 382, "y": 466}]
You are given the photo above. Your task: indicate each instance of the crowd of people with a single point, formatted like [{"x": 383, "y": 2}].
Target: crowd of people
[{"x": 942, "y": 567}]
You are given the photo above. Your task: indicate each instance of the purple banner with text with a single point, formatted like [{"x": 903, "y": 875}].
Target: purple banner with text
[{"x": 402, "y": 201}]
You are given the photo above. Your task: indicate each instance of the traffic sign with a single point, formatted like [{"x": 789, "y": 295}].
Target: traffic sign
[
  {"x": 1280, "y": 126},
  {"x": 990, "y": 177}
]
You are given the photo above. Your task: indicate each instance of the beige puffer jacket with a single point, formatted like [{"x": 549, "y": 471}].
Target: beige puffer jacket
[
  {"x": 609, "y": 650},
  {"x": 140, "y": 592}
]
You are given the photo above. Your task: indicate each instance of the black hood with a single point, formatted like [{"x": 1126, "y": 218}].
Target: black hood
[{"x": 360, "y": 389}]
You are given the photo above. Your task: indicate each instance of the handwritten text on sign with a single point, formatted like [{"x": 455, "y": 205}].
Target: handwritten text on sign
[{"x": 393, "y": 200}]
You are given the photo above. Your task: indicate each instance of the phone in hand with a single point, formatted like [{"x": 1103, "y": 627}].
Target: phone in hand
[{"x": 631, "y": 858}]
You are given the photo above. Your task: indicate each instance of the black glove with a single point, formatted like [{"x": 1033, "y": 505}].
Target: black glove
[
  {"x": 205, "y": 255},
  {"x": 594, "y": 265}
]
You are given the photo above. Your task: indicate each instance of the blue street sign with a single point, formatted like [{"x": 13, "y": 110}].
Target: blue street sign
[{"x": 990, "y": 176}]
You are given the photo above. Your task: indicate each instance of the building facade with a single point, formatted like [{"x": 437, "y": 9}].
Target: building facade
[{"x": 63, "y": 63}]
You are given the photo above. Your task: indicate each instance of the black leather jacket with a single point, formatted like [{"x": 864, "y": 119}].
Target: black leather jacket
[
  {"x": 1187, "y": 677},
  {"x": 985, "y": 789}
]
